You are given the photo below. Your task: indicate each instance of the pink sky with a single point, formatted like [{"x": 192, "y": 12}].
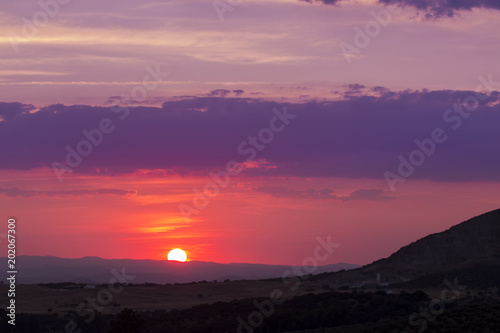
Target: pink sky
[
  {"x": 90, "y": 51},
  {"x": 238, "y": 225}
]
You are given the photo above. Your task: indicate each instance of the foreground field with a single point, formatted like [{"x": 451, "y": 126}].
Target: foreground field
[
  {"x": 44, "y": 300},
  {"x": 297, "y": 305}
]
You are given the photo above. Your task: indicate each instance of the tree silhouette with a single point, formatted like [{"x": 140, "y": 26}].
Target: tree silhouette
[{"x": 127, "y": 321}]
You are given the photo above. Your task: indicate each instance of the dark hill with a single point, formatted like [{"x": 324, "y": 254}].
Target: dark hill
[
  {"x": 471, "y": 248},
  {"x": 477, "y": 238}
]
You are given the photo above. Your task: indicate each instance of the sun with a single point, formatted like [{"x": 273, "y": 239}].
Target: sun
[{"x": 177, "y": 255}]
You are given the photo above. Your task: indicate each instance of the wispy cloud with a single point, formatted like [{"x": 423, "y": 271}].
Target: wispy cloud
[
  {"x": 30, "y": 72},
  {"x": 324, "y": 194},
  {"x": 16, "y": 192}
]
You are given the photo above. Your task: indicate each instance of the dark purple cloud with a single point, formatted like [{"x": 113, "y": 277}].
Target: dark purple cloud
[
  {"x": 326, "y": 2},
  {"x": 441, "y": 8},
  {"x": 225, "y": 92},
  {"x": 353, "y": 89},
  {"x": 219, "y": 93},
  {"x": 15, "y": 192},
  {"x": 432, "y": 8},
  {"x": 9, "y": 111},
  {"x": 282, "y": 192},
  {"x": 361, "y": 136}
]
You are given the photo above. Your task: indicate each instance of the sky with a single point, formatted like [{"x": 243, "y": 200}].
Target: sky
[{"x": 244, "y": 130}]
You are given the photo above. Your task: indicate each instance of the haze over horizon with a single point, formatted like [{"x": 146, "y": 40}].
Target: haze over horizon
[{"x": 244, "y": 134}]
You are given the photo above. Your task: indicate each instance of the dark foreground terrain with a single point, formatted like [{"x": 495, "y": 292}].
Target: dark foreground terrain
[{"x": 449, "y": 308}]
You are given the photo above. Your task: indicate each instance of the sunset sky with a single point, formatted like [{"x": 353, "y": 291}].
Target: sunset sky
[{"x": 372, "y": 121}]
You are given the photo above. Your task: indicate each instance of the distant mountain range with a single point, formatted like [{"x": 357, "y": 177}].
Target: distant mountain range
[
  {"x": 469, "y": 251},
  {"x": 94, "y": 270}
]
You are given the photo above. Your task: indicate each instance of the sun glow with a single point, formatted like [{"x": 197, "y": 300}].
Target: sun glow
[{"x": 177, "y": 255}]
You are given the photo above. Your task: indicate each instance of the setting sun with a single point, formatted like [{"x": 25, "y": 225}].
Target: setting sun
[{"x": 177, "y": 255}]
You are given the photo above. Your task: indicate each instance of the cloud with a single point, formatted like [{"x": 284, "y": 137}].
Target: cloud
[
  {"x": 9, "y": 111},
  {"x": 445, "y": 8},
  {"x": 15, "y": 192},
  {"x": 225, "y": 92},
  {"x": 432, "y": 8},
  {"x": 326, "y": 2},
  {"x": 219, "y": 93},
  {"x": 324, "y": 194},
  {"x": 353, "y": 89},
  {"x": 359, "y": 137},
  {"x": 380, "y": 90},
  {"x": 370, "y": 194}
]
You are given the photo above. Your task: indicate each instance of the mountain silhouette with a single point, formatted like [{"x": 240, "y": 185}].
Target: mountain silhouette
[
  {"x": 470, "y": 249},
  {"x": 94, "y": 270}
]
